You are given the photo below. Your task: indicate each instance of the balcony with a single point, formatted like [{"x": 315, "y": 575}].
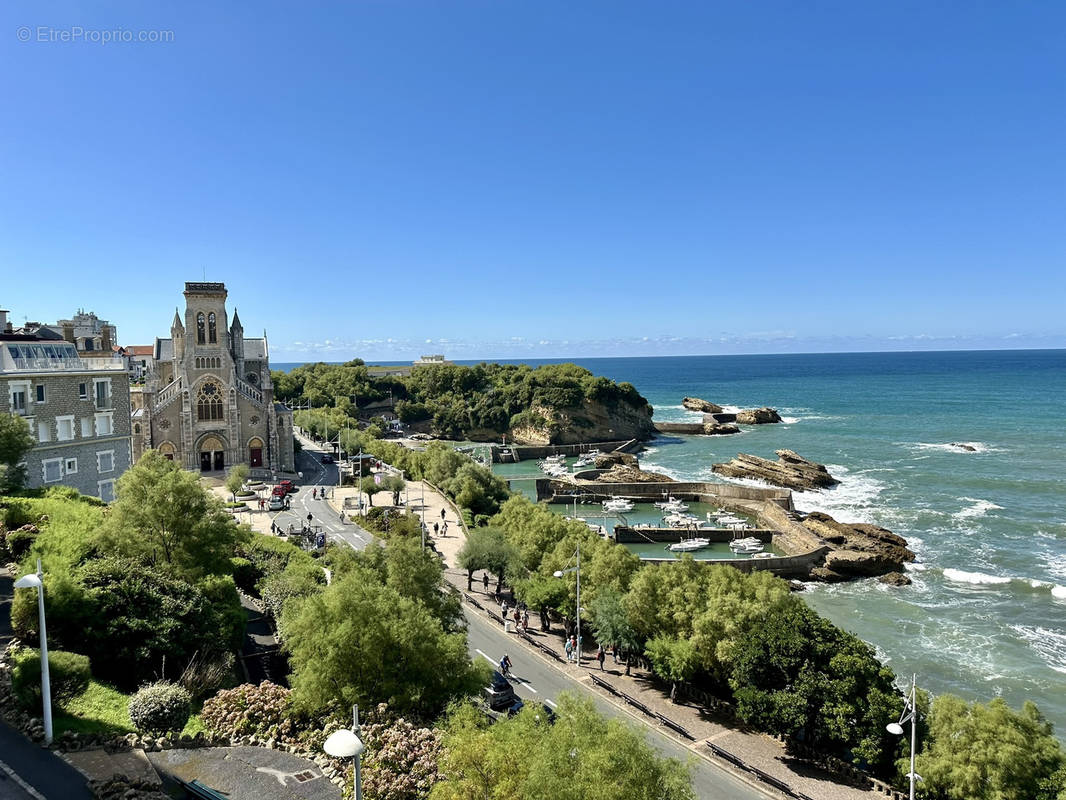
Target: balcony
[{"x": 66, "y": 365}]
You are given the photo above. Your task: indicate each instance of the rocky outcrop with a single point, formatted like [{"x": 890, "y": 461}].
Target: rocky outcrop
[
  {"x": 859, "y": 550},
  {"x": 791, "y": 471},
  {"x": 589, "y": 422},
  {"x": 895, "y": 579},
  {"x": 966, "y": 448},
  {"x": 697, "y": 404},
  {"x": 758, "y": 416},
  {"x": 608, "y": 460},
  {"x": 706, "y": 428},
  {"x": 623, "y": 473}
]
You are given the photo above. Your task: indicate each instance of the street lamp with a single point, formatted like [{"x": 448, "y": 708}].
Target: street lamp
[
  {"x": 910, "y": 713},
  {"x": 347, "y": 744},
  {"x": 36, "y": 581},
  {"x": 558, "y": 574}
]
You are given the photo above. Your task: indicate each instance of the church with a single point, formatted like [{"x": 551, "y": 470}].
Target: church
[{"x": 208, "y": 400}]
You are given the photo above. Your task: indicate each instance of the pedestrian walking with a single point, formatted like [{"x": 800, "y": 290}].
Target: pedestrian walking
[
  {"x": 503, "y": 609},
  {"x": 444, "y": 530},
  {"x": 600, "y": 656},
  {"x": 442, "y": 513},
  {"x": 273, "y": 529},
  {"x": 485, "y": 580},
  {"x": 436, "y": 528},
  {"x": 614, "y": 653},
  {"x": 569, "y": 651},
  {"x": 525, "y": 620},
  {"x": 314, "y": 494},
  {"x": 573, "y": 646},
  {"x": 517, "y": 618}
]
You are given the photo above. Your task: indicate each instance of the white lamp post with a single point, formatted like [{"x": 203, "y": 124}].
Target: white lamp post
[
  {"x": 347, "y": 744},
  {"x": 35, "y": 581},
  {"x": 558, "y": 574},
  {"x": 910, "y": 713}
]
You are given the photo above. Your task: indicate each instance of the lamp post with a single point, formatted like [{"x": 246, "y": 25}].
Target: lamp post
[
  {"x": 910, "y": 713},
  {"x": 347, "y": 744},
  {"x": 558, "y": 574},
  {"x": 36, "y": 581}
]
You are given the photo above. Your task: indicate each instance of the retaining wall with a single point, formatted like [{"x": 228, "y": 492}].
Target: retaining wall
[
  {"x": 626, "y": 534},
  {"x": 797, "y": 566},
  {"x": 528, "y": 452}
]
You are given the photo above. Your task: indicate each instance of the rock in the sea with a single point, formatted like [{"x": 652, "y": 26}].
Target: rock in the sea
[
  {"x": 895, "y": 579},
  {"x": 719, "y": 429},
  {"x": 697, "y": 404},
  {"x": 758, "y": 416},
  {"x": 608, "y": 460},
  {"x": 790, "y": 470},
  {"x": 966, "y": 448},
  {"x": 623, "y": 473},
  {"x": 860, "y": 549}
]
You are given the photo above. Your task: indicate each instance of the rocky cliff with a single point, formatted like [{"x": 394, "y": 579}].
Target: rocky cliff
[
  {"x": 791, "y": 470},
  {"x": 589, "y": 422}
]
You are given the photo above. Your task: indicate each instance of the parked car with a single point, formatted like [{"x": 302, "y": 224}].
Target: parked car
[
  {"x": 278, "y": 503},
  {"x": 327, "y": 458},
  {"x": 500, "y": 693},
  {"x": 287, "y": 485}
]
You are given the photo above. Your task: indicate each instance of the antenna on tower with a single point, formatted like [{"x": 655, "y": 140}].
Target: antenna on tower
[{"x": 205, "y": 273}]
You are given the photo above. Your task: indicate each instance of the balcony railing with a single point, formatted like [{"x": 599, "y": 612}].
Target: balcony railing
[{"x": 67, "y": 365}]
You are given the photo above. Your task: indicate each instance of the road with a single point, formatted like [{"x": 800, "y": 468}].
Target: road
[
  {"x": 317, "y": 474},
  {"x": 536, "y": 680}
]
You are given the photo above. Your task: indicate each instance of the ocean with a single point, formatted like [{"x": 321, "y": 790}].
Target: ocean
[{"x": 986, "y": 614}]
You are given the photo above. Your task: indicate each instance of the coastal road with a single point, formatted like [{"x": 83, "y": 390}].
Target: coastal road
[
  {"x": 319, "y": 475},
  {"x": 537, "y": 681}
]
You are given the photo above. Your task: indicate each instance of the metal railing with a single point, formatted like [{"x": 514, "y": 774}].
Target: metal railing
[
  {"x": 67, "y": 364},
  {"x": 249, "y": 391}
]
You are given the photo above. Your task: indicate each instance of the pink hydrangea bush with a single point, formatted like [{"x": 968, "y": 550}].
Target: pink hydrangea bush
[
  {"x": 264, "y": 711},
  {"x": 400, "y": 762}
]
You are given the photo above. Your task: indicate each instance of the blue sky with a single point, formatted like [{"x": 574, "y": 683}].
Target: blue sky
[{"x": 489, "y": 178}]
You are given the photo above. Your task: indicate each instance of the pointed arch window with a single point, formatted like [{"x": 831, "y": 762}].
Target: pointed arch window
[
  {"x": 200, "y": 328},
  {"x": 209, "y": 401},
  {"x": 211, "y": 335}
]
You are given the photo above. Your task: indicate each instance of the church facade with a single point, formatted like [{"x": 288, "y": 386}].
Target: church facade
[{"x": 208, "y": 400}]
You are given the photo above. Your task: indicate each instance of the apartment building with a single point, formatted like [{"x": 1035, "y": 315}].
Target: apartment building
[{"x": 78, "y": 410}]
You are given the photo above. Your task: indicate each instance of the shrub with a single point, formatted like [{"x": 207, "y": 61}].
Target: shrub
[
  {"x": 160, "y": 707},
  {"x": 207, "y": 671},
  {"x": 245, "y": 574},
  {"x": 68, "y": 674},
  {"x": 21, "y": 540},
  {"x": 249, "y": 710}
]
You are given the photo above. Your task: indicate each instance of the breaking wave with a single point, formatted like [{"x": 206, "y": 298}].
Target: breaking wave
[{"x": 978, "y": 509}]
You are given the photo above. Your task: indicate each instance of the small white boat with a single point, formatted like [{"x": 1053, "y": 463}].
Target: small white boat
[
  {"x": 618, "y": 505},
  {"x": 689, "y": 545},
  {"x": 729, "y": 519},
  {"x": 748, "y": 545},
  {"x": 762, "y": 555},
  {"x": 672, "y": 504},
  {"x": 679, "y": 520}
]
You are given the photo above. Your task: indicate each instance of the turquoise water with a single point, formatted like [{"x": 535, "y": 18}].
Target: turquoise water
[{"x": 986, "y": 614}]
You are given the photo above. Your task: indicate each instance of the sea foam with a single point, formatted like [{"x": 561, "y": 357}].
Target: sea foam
[
  {"x": 975, "y": 578},
  {"x": 978, "y": 509}
]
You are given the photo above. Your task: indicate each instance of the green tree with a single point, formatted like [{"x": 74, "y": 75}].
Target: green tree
[
  {"x": 611, "y": 625},
  {"x": 394, "y": 484},
  {"x": 402, "y": 564},
  {"x": 796, "y": 674},
  {"x": 163, "y": 514},
  {"x": 370, "y": 487},
  {"x": 16, "y": 441},
  {"x": 583, "y": 756},
  {"x": 987, "y": 752},
  {"x": 361, "y": 642},
  {"x": 476, "y": 488},
  {"x": 489, "y": 549},
  {"x": 236, "y": 478},
  {"x": 674, "y": 659}
]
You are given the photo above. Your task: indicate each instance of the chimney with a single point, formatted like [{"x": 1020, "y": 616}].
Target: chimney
[{"x": 4, "y": 324}]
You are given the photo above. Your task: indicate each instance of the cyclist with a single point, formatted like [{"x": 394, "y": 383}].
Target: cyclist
[{"x": 505, "y": 664}]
